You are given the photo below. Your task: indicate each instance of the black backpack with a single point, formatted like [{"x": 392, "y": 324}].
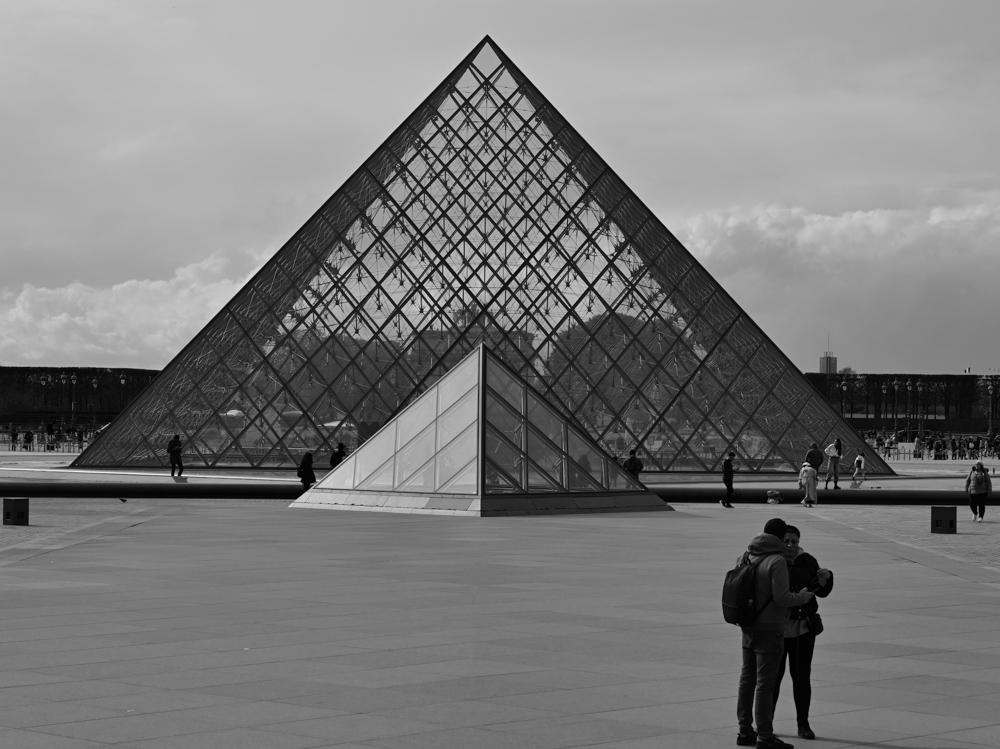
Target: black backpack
[{"x": 739, "y": 592}]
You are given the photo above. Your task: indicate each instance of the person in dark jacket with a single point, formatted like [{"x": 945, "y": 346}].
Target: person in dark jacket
[
  {"x": 174, "y": 450},
  {"x": 305, "y": 473},
  {"x": 978, "y": 486},
  {"x": 727, "y": 479},
  {"x": 633, "y": 465},
  {"x": 814, "y": 456},
  {"x": 763, "y": 641},
  {"x": 338, "y": 455},
  {"x": 804, "y": 573}
]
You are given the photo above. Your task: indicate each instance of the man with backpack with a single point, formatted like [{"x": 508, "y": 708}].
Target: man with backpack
[{"x": 763, "y": 630}]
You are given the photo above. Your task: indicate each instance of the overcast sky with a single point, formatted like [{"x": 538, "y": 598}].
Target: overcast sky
[{"x": 835, "y": 166}]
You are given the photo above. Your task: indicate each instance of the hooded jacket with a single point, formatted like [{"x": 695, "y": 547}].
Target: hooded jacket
[{"x": 772, "y": 583}]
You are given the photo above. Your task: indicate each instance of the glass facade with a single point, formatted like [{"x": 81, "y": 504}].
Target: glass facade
[
  {"x": 484, "y": 218},
  {"x": 481, "y": 429}
]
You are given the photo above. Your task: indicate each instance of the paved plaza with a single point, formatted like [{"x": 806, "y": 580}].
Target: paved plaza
[{"x": 163, "y": 624}]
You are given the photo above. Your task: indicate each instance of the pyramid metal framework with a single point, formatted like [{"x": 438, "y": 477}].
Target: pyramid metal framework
[
  {"x": 484, "y": 218},
  {"x": 481, "y": 441}
]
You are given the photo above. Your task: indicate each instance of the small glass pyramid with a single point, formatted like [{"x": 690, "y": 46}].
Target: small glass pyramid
[
  {"x": 483, "y": 218},
  {"x": 480, "y": 441}
]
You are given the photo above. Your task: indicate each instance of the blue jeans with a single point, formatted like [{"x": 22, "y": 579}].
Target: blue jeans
[{"x": 762, "y": 655}]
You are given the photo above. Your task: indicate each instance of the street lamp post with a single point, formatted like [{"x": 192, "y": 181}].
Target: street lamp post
[
  {"x": 885, "y": 389},
  {"x": 843, "y": 392},
  {"x": 909, "y": 397},
  {"x": 895, "y": 408},
  {"x": 72, "y": 402},
  {"x": 920, "y": 414},
  {"x": 93, "y": 407},
  {"x": 62, "y": 405},
  {"x": 121, "y": 397},
  {"x": 989, "y": 389}
]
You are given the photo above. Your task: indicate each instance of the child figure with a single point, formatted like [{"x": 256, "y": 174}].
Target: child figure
[{"x": 859, "y": 468}]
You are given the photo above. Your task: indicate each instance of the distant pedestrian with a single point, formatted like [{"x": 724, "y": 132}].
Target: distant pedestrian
[
  {"x": 632, "y": 464},
  {"x": 305, "y": 472},
  {"x": 13, "y": 438},
  {"x": 28, "y": 442},
  {"x": 814, "y": 456},
  {"x": 808, "y": 481},
  {"x": 979, "y": 486},
  {"x": 859, "y": 468},
  {"x": 727, "y": 479},
  {"x": 174, "y": 450},
  {"x": 763, "y": 640},
  {"x": 338, "y": 455},
  {"x": 834, "y": 451}
]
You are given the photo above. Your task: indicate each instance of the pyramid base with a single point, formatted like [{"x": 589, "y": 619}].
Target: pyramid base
[{"x": 471, "y": 506}]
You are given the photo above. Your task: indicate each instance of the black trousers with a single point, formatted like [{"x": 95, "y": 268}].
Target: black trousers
[
  {"x": 977, "y": 503},
  {"x": 729, "y": 490},
  {"x": 799, "y": 654}
]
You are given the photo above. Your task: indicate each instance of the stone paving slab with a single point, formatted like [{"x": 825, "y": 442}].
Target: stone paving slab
[{"x": 245, "y": 624}]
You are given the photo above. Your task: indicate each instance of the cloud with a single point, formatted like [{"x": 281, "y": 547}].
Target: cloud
[
  {"x": 136, "y": 145},
  {"x": 896, "y": 289},
  {"x": 138, "y": 323},
  {"x": 902, "y": 289}
]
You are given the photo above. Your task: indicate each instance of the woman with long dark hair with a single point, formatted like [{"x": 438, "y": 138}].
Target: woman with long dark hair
[
  {"x": 804, "y": 624},
  {"x": 305, "y": 473}
]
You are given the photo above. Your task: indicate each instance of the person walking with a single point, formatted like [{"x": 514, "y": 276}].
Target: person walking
[
  {"x": 978, "y": 486},
  {"x": 763, "y": 641},
  {"x": 727, "y": 479},
  {"x": 633, "y": 465},
  {"x": 834, "y": 452},
  {"x": 809, "y": 483},
  {"x": 338, "y": 455},
  {"x": 804, "y": 573},
  {"x": 174, "y": 450},
  {"x": 305, "y": 473},
  {"x": 814, "y": 456},
  {"x": 13, "y": 438}
]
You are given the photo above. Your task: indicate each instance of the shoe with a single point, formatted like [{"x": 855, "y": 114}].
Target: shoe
[
  {"x": 773, "y": 743},
  {"x": 835, "y": 486},
  {"x": 722, "y": 502},
  {"x": 746, "y": 739},
  {"x": 805, "y": 732},
  {"x": 979, "y": 520}
]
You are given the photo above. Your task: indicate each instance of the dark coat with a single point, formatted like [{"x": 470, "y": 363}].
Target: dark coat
[
  {"x": 305, "y": 473},
  {"x": 802, "y": 574}
]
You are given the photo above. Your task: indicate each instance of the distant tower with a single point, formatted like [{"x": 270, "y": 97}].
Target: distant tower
[{"x": 828, "y": 362}]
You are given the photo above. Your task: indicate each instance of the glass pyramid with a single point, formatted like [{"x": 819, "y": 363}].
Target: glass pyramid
[
  {"x": 484, "y": 218},
  {"x": 480, "y": 441}
]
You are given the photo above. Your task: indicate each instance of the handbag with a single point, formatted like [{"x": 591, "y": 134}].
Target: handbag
[{"x": 815, "y": 622}]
